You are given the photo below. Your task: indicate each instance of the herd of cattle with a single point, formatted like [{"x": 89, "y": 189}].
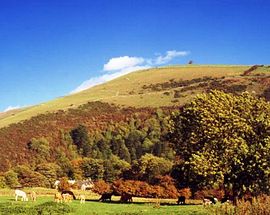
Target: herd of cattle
[{"x": 68, "y": 196}]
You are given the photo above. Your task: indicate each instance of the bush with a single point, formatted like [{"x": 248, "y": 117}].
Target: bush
[
  {"x": 185, "y": 192},
  {"x": 167, "y": 184},
  {"x": 45, "y": 208},
  {"x": 101, "y": 187},
  {"x": 259, "y": 206},
  {"x": 30, "y": 178},
  {"x": 166, "y": 189},
  {"x": 217, "y": 193},
  {"x": 11, "y": 179},
  {"x": 64, "y": 185},
  {"x": 2, "y": 182}
]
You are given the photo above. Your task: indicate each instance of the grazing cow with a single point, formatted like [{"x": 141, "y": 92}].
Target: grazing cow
[
  {"x": 181, "y": 200},
  {"x": 33, "y": 196},
  {"x": 68, "y": 192},
  {"x": 22, "y": 194},
  {"x": 126, "y": 197},
  {"x": 67, "y": 197},
  {"x": 58, "y": 198},
  {"x": 226, "y": 199},
  {"x": 82, "y": 199},
  {"x": 206, "y": 202},
  {"x": 106, "y": 196},
  {"x": 88, "y": 183},
  {"x": 209, "y": 200}
]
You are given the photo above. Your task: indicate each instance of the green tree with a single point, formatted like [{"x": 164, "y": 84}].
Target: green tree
[
  {"x": 224, "y": 139},
  {"x": 40, "y": 146},
  {"x": 92, "y": 168},
  {"x": 151, "y": 166},
  {"x": 50, "y": 171},
  {"x": 30, "y": 178},
  {"x": 114, "y": 167},
  {"x": 11, "y": 179},
  {"x": 81, "y": 140},
  {"x": 3, "y": 182}
]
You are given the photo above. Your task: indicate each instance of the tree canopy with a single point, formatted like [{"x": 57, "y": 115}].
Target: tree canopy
[{"x": 223, "y": 139}]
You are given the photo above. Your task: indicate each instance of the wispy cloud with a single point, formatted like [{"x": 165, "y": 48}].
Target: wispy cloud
[
  {"x": 170, "y": 55},
  {"x": 120, "y": 63},
  {"x": 9, "y": 108},
  {"x": 119, "y": 66}
]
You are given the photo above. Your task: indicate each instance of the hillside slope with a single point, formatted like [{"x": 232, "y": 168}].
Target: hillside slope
[
  {"x": 137, "y": 95},
  {"x": 148, "y": 88}
]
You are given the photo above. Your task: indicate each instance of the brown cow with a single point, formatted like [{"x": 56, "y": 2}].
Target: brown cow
[
  {"x": 82, "y": 198},
  {"x": 126, "y": 197},
  {"x": 106, "y": 196},
  {"x": 33, "y": 196},
  {"x": 67, "y": 197},
  {"x": 58, "y": 198}
]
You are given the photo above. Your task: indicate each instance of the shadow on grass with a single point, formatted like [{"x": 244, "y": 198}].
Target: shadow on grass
[{"x": 139, "y": 203}]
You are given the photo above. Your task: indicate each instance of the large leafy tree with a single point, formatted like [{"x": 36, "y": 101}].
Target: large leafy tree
[
  {"x": 81, "y": 139},
  {"x": 223, "y": 139}
]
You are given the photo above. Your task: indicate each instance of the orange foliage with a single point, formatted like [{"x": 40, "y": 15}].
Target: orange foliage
[
  {"x": 142, "y": 189},
  {"x": 101, "y": 187},
  {"x": 217, "y": 193}
]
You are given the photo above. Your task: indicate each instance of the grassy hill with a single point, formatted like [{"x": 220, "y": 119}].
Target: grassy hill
[
  {"x": 137, "y": 94},
  {"x": 166, "y": 86}
]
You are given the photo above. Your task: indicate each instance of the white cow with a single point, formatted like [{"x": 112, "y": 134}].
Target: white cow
[
  {"x": 86, "y": 184},
  {"x": 22, "y": 194}
]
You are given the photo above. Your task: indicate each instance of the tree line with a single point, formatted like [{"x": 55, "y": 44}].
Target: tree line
[{"x": 218, "y": 141}]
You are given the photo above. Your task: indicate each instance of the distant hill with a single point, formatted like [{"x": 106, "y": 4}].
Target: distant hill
[
  {"x": 137, "y": 94},
  {"x": 155, "y": 87}
]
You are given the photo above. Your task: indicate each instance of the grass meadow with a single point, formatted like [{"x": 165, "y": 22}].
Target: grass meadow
[{"x": 46, "y": 205}]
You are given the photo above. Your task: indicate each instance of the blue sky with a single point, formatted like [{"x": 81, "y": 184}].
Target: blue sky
[{"x": 49, "y": 48}]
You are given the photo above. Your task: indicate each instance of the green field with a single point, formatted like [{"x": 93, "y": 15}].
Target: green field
[
  {"x": 46, "y": 205},
  {"x": 9, "y": 206}
]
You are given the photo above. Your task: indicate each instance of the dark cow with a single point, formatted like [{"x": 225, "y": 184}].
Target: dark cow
[
  {"x": 68, "y": 192},
  {"x": 181, "y": 200},
  {"x": 209, "y": 200},
  {"x": 125, "y": 197},
  {"x": 226, "y": 199},
  {"x": 106, "y": 197}
]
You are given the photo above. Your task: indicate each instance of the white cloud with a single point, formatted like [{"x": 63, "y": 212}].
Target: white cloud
[
  {"x": 119, "y": 66},
  {"x": 119, "y": 63},
  {"x": 106, "y": 77},
  {"x": 9, "y": 108},
  {"x": 169, "y": 56}
]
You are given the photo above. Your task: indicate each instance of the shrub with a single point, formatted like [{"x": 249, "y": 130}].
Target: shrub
[
  {"x": 64, "y": 185},
  {"x": 30, "y": 178},
  {"x": 217, "y": 193},
  {"x": 2, "y": 182},
  {"x": 143, "y": 189},
  {"x": 11, "y": 179},
  {"x": 101, "y": 186},
  {"x": 167, "y": 184},
  {"x": 185, "y": 192},
  {"x": 45, "y": 208},
  {"x": 259, "y": 206}
]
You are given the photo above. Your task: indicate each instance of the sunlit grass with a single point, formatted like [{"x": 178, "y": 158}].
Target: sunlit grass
[{"x": 118, "y": 91}]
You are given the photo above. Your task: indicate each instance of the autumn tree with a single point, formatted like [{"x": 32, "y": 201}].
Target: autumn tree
[{"x": 224, "y": 139}]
